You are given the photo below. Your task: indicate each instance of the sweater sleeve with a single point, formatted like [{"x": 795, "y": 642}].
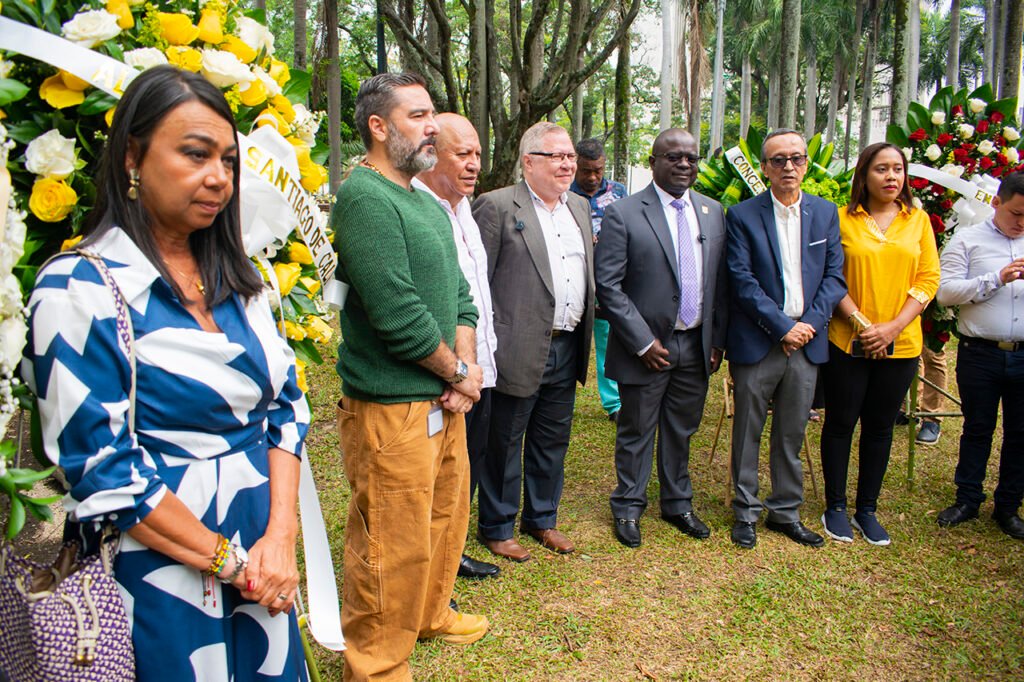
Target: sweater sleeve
[{"x": 373, "y": 257}]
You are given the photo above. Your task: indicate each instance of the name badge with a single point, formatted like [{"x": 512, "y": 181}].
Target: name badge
[{"x": 435, "y": 421}]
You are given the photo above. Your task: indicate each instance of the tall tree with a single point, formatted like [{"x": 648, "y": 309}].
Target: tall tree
[
  {"x": 900, "y": 98},
  {"x": 620, "y": 124},
  {"x": 811, "y": 83},
  {"x": 851, "y": 91},
  {"x": 299, "y": 33},
  {"x": 718, "y": 79},
  {"x": 953, "y": 57},
  {"x": 789, "y": 67},
  {"x": 1009, "y": 81},
  {"x": 333, "y": 93},
  {"x": 914, "y": 49},
  {"x": 667, "y": 51},
  {"x": 477, "y": 106},
  {"x": 874, "y": 14}
]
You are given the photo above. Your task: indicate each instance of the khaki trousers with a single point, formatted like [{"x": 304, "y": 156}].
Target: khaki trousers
[
  {"x": 933, "y": 367},
  {"x": 407, "y": 523}
]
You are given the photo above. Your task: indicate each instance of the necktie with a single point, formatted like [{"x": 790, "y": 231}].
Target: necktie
[{"x": 689, "y": 286}]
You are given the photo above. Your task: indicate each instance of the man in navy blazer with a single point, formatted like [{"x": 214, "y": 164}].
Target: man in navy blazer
[{"x": 785, "y": 263}]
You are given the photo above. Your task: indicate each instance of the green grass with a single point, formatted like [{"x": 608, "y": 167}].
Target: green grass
[{"x": 935, "y": 605}]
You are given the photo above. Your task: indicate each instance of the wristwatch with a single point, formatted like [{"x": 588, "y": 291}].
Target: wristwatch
[{"x": 461, "y": 372}]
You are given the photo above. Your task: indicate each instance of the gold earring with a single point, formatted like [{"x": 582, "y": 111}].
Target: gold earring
[{"x": 133, "y": 184}]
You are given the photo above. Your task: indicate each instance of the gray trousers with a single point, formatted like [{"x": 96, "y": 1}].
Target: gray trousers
[
  {"x": 671, "y": 401},
  {"x": 788, "y": 382}
]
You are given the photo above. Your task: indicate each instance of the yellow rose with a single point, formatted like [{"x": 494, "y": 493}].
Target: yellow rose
[
  {"x": 121, "y": 10},
  {"x": 279, "y": 71},
  {"x": 314, "y": 179},
  {"x": 52, "y": 200},
  {"x": 73, "y": 82},
  {"x": 292, "y": 330},
  {"x": 235, "y": 46},
  {"x": 210, "y": 28},
  {"x": 318, "y": 330},
  {"x": 312, "y": 285},
  {"x": 187, "y": 58},
  {"x": 299, "y": 253},
  {"x": 254, "y": 94},
  {"x": 300, "y": 376},
  {"x": 281, "y": 103},
  {"x": 69, "y": 244},
  {"x": 176, "y": 28},
  {"x": 271, "y": 117},
  {"x": 59, "y": 96},
  {"x": 109, "y": 116},
  {"x": 287, "y": 275}
]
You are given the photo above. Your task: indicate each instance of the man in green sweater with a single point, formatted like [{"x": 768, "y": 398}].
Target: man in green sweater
[{"x": 408, "y": 369}]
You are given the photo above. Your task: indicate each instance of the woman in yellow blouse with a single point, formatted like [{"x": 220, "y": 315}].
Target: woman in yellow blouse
[{"x": 892, "y": 271}]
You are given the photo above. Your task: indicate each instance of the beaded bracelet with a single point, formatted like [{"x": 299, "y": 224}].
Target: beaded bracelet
[
  {"x": 240, "y": 565},
  {"x": 220, "y": 556}
]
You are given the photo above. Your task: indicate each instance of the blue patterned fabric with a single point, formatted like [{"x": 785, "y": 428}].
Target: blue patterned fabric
[
  {"x": 608, "y": 193},
  {"x": 208, "y": 407}
]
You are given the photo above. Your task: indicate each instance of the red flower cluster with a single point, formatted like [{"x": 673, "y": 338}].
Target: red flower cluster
[{"x": 918, "y": 135}]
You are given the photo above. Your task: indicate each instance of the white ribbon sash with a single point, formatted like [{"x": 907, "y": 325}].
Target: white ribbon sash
[
  {"x": 976, "y": 194},
  {"x": 749, "y": 174}
]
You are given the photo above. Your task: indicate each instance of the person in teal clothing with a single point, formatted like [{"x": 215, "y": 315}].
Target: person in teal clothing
[{"x": 591, "y": 184}]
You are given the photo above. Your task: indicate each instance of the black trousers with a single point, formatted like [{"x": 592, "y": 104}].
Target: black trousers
[
  {"x": 870, "y": 391},
  {"x": 986, "y": 376},
  {"x": 477, "y": 422}
]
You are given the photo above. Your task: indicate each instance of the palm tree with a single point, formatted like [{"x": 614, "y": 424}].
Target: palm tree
[
  {"x": 953, "y": 56},
  {"x": 789, "y": 67}
]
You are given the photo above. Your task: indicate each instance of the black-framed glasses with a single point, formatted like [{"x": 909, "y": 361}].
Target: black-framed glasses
[
  {"x": 676, "y": 157},
  {"x": 558, "y": 157},
  {"x": 781, "y": 161}
]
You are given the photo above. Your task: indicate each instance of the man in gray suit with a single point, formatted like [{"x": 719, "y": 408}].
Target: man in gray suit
[
  {"x": 540, "y": 260},
  {"x": 661, "y": 281}
]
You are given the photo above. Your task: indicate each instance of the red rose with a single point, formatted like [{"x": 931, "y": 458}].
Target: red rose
[
  {"x": 960, "y": 155},
  {"x": 999, "y": 141},
  {"x": 986, "y": 163},
  {"x": 946, "y": 204},
  {"x": 937, "y": 224},
  {"x": 926, "y": 324},
  {"x": 942, "y": 336},
  {"x": 1001, "y": 159},
  {"x": 957, "y": 110},
  {"x": 997, "y": 171},
  {"x": 982, "y": 126},
  {"x": 918, "y": 183},
  {"x": 943, "y": 139},
  {"x": 996, "y": 117},
  {"x": 968, "y": 147},
  {"x": 918, "y": 135}
]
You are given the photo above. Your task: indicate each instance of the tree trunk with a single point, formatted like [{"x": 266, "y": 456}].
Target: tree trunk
[
  {"x": 833, "y": 96},
  {"x": 953, "y": 56},
  {"x": 773, "y": 96},
  {"x": 790, "y": 63},
  {"x": 299, "y": 34},
  {"x": 745, "y": 79},
  {"x": 577, "y": 108},
  {"x": 261, "y": 4},
  {"x": 478, "y": 113},
  {"x": 718, "y": 82},
  {"x": 1009, "y": 81},
  {"x": 999, "y": 29},
  {"x": 990, "y": 42},
  {"x": 667, "y": 48},
  {"x": 333, "y": 93},
  {"x": 914, "y": 51},
  {"x": 868, "y": 77},
  {"x": 811, "y": 88},
  {"x": 620, "y": 124},
  {"x": 851, "y": 89},
  {"x": 900, "y": 63}
]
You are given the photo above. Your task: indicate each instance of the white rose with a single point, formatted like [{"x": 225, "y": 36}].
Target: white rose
[
  {"x": 986, "y": 147},
  {"x": 51, "y": 155},
  {"x": 224, "y": 69},
  {"x": 952, "y": 169},
  {"x": 5, "y": 68},
  {"x": 145, "y": 58},
  {"x": 907, "y": 153},
  {"x": 10, "y": 296},
  {"x": 12, "y": 247},
  {"x": 965, "y": 130},
  {"x": 306, "y": 124},
  {"x": 12, "y": 340},
  {"x": 269, "y": 84},
  {"x": 938, "y": 117},
  {"x": 254, "y": 34},
  {"x": 933, "y": 152},
  {"x": 91, "y": 28},
  {"x": 1013, "y": 155},
  {"x": 1010, "y": 134},
  {"x": 917, "y": 203},
  {"x": 977, "y": 105}
]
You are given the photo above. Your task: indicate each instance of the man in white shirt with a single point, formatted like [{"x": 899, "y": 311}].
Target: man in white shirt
[
  {"x": 451, "y": 182},
  {"x": 982, "y": 267},
  {"x": 540, "y": 255}
]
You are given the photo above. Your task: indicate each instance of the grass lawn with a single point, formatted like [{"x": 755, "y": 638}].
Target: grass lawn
[{"x": 935, "y": 605}]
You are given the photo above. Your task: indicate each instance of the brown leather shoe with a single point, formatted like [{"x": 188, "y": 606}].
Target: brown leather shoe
[
  {"x": 551, "y": 538},
  {"x": 509, "y": 549}
]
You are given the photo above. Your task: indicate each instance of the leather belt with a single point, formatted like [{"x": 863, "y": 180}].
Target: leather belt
[
  {"x": 561, "y": 332},
  {"x": 1009, "y": 346}
]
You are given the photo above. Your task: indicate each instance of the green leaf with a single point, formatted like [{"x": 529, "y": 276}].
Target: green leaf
[
  {"x": 942, "y": 101},
  {"x": 26, "y": 478},
  {"x": 17, "y": 519},
  {"x": 321, "y": 153},
  {"x": 984, "y": 91},
  {"x": 897, "y": 135},
  {"x": 1007, "y": 107},
  {"x": 40, "y": 511},
  {"x": 24, "y": 131},
  {"x": 96, "y": 102},
  {"x": 303, "y": 305},
  {"x": 297, "y": 87},
  {"x": 36, "y": 437},
  {"x": 306, "y": 351},
  {"x": 257, "y": 14},
  {"x": 28, "y": 9},
  {"x": 813, "y": 146},
  {"x": 754, "y": 141},
  {"x": 7, "y": 449},
  {"x": 11, "y": 91},
  {"x": 919, "y": 117}
]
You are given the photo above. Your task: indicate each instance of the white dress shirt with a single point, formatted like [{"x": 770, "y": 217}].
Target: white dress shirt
[
  {"x": 473, "y": 263},
  {"x": 970, "y": 279},
  {"x": 789, "y": 229},
  {"x": 564, "y": 243},
  {"x": 693, "y": 242}
]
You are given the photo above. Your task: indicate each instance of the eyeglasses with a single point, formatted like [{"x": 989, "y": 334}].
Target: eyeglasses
[
  {"x": 557, "y": 157},
  {"x": 781, "y": 161},
  {"x": 675, "y": 157}
]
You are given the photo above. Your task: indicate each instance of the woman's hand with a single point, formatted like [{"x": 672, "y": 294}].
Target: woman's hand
[
  {"x": 876, "y": 338},
  {"x": 272, "y": 573}
]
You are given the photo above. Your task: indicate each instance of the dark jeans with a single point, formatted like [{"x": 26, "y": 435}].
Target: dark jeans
[
  {"x": 477, "y": 422},
  {"x": 870, "y": 391},
  {"x": 985, "y": 376}
]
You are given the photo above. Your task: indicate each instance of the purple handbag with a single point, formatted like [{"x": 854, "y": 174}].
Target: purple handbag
[{"x": 67, "y": 621}]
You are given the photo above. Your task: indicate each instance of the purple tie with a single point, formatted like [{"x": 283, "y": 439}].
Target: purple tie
[{"x": 689, "y": 287}]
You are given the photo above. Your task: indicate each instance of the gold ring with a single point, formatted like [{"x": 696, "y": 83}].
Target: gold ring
[{"x": 283, "y": 597}]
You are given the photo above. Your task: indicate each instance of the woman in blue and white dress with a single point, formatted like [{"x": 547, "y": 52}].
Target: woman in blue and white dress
[{"x": 204, "y": 488}]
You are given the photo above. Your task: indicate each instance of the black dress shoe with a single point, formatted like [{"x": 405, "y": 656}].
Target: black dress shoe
[
  {"x": 689, "y": 524},
  {"x": 627, "y": 531},
  {"x": 744, "y": 534},
  {"x": 956, "y": 514},
  {"x": 471, "y": 568},
  {"x": 797, "y": 532},
  {"x": 1010, "y": 523}
]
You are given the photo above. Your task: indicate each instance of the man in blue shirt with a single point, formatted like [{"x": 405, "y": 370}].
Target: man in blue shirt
[{"x": 591, "y": 184}]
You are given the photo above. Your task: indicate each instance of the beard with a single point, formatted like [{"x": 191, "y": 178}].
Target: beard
[{"x": 407, "y": 157}]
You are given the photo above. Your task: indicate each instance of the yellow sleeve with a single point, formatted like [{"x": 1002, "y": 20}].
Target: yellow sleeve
[{"x": 926, "y": 281}]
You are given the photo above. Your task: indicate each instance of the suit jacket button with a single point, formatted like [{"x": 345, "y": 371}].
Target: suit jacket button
[{"x": 675, "y": 299}]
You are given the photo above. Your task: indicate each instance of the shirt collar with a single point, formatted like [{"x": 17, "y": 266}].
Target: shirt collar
[
  {"x": 132, "y": 270},
  {"x": 604, "y": 186},
  {"x": 667, "y": 199},
  {"x": 562, "y": 198},
  {"x": 858, "y": 209},
  {"x": 422, "y": 186},
  {"x": 781, "y": 208}
]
